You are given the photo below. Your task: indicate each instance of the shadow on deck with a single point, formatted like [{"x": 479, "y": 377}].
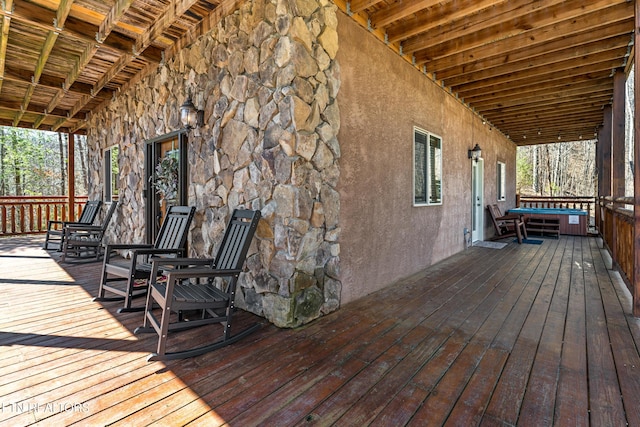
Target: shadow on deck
[{"x": 528, "y": 335}]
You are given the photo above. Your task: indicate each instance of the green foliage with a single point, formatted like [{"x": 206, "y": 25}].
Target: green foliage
[
  {"x": 165, "y": 180},
  {"x": 30, "y": 162},
  {"x": 524, "y": 172}
]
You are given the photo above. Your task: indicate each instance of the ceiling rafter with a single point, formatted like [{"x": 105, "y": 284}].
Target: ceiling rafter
[
  {"x": 543, "y": 23},
  {"x": 174, "y": 10},
  {"x": 107, "y": 25},
  {"x": 37, "y": 17},
  {"x": 491, "y": 85},
  {"x": 520, "y": 64},
  {"x": 61, "y": 16},
  {"x": 525, "y": 96},
  {"x": 599, "y": 38},
  {"x": 542, "y": 64},
  {"x": 489, "y": 24},
  {"x": 555, "y": 86},
  {"x": 112, "y": 18},
  {"x": 4, "y": 32},
  {"x": 358, "y": 6},
  {"x": 400, "y": 11},
  {"x": 449, "y": 13}
]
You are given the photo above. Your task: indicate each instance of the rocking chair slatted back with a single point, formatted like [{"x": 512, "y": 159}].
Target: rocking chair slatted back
[
  {"x": 173, "y": 233},
  {"x": 233, "y": 250},
  {"x": 90, "y": 212}
]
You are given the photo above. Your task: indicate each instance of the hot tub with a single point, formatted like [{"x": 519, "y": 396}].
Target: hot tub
[{"x": 569, "y": 221}]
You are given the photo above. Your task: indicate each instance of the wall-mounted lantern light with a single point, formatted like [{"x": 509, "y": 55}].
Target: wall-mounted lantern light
[
  {"x": 190, "y": 116},
  {"x": 475, "y": 153}
]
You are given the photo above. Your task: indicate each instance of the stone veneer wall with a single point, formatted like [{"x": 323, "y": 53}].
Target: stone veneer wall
[{"x": 267, "y": 79}]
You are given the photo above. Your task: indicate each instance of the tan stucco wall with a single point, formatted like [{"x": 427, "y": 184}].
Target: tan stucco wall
[{"x": 382, "y": 97}]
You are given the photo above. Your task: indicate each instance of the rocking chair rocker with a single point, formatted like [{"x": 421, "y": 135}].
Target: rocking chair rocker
[{"x": 208, "y": 285}]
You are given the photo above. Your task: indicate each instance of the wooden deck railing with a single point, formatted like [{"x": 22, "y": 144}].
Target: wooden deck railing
[
  {"x": 615, "y": 222},
  {"x": 584, "y": 203},
  {"x": 31, "y": 214}
]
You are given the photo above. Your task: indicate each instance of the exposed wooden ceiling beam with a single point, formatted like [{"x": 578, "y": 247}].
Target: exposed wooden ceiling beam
[
  {"x": 569, "y": 47},
  {"x": 542, "y": 118},
  {"x": 17, "y": 107},
  {"x": 114, "y": 15},
  {"x": 542, "y": 65},
  {"x": 534, "y": 77},
  {"x": 4, "y": 31},
  {"x": 536, "y": 27},
  {"x": 554, "y": 86},
  {"x": 358, "y": 6},
  {"x": 38, "y": 17},
  {"x": 39, "y": 120},
  {"x": 116, "y": 12},
  {"x": 522, "y": 48},
  {"x": 523, "y": 97},
  {"x": 530, "y": 126},
  {"x": 494, "y": 23},
  {"x": 568, "y": 104},
  {"x": 49, "y": 82},
  {"x": 58, "y": 124},
  {"x": 542, "y": 98},
  {"x": 448, "y": 12},
  {"x": 174, "y": 10},
  {"x": 399, "y": 11},
  {"x": 531, "y": 130}
]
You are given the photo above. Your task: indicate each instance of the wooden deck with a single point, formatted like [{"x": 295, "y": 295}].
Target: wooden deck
[{"x": 526, "y": 335}]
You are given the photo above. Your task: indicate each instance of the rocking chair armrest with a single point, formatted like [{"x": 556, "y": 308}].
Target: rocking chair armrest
[
  {"x": 119, "y": 246},
  {"x": 182, "y": 261},
  {"x": 509, "y": 217},
  {"x": 74, "y": 228},
  {"x": 154, "y": 251},
  {"x": 186, "y": 273},
  {"x": 71, "y": 223},
  {"x": 81, "y": 232}
]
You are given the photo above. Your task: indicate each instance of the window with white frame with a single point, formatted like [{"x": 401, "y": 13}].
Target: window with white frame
[
  {"x": 427, "y": 168},
  {"x": 111, "y": 174},
  {"x": 501, "y": 181}
]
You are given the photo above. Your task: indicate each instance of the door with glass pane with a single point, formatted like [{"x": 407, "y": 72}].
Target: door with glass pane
[
  {"x": 166, "y": 174},
  {"x": 477, "y": 200}
]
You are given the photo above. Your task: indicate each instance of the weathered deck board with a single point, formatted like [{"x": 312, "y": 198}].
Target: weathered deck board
[{"x": 526, "y": 335}]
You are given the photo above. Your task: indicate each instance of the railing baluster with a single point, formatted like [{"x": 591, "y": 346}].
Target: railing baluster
[{"x": 31, "y": 214}]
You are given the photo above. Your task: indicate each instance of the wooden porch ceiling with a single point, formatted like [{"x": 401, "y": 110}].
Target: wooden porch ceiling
[{"x": 537, "y": 70}]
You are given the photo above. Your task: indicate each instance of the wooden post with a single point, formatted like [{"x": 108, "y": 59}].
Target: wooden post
[
  {"x": 618, "y": 134},
  {"x": 604, "y": 173},
  {"x": 636, "y": 168},
  {"x": 617, "y": 151},
  {"x": 71, "y": 176},
  {"x": 604, "y": 138}
]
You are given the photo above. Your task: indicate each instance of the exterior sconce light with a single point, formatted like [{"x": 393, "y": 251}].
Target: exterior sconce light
[
  {"x": 189, "y": 115},
  {"x": 475, "y": 153}
]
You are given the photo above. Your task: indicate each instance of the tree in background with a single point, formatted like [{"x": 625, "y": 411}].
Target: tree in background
[
  {"x": 629, "y": 132},
  {"x": 561, "y": 169},
  {"x": 34, "y": 163}
]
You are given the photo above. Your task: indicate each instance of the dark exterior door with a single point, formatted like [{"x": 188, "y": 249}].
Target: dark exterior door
[{"x": 166, "y": 178}]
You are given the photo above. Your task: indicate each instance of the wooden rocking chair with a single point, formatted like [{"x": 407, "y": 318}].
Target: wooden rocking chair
[
  {"x": 85, "y": 241},
  {"x": 55, "y": 229},
  {"x": 208, "y": 285},
  {"x": 507, "y": 225},
  {"x": 170, "y": 242}
]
